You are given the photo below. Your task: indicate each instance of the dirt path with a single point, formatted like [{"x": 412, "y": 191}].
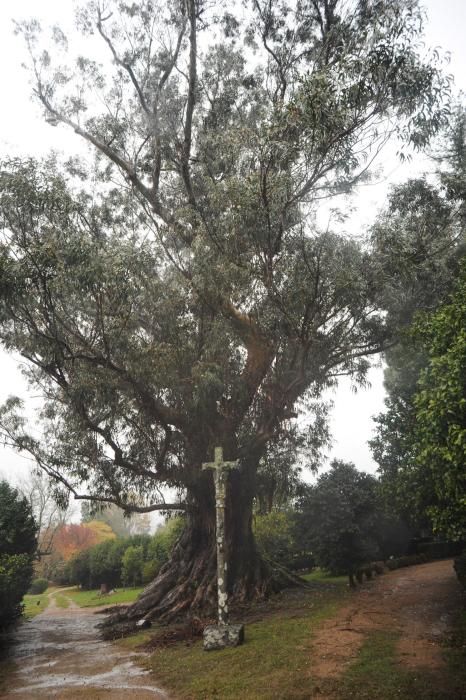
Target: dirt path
[
  {"x": 416, "y": 602},
  {"x": 59, "y": 654}
]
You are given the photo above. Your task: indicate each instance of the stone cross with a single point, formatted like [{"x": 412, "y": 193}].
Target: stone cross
[
  {"x": 220, "y": 469},
  {"x": 217, "y": 637}
]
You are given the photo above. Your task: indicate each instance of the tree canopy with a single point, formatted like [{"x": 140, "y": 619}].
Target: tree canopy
[
  {"x": 439, "y": 445},
  {"x": 434, "y": 211},
  {"x": 179, "y": 294}
]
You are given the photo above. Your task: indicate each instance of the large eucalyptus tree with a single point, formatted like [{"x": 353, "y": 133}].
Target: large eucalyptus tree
[{"x": 184, "y": 297}]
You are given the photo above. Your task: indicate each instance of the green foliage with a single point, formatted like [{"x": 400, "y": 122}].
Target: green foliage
[
  {"x": 124, "y": 560},
  {"x": 339, "y": 518},
  {"x": 424, "y": 379},
  {"x": 162, "y": 542},
  {"x": 18, "y": 543},
  {"x": 15, "y": 578},
  {"x": 132, "y": 562},
  {"x": 402, "y": 562},
  {"x": 105, "y": 563},
  {"x": 276, "y": 537},
  {"x": 38, "y": 585},
  {"x": 150, "y": 569},
  {"x": 440, "y": 404},
  {"x": 18, "y": 533}
]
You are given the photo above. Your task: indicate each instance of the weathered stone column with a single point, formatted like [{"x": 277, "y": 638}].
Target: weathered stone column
[{"x": 223, "y": 634}]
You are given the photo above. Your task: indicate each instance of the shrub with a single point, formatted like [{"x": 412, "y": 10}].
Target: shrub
[
  {"x": 401, "y": 562},
  {"x": 106, "y": 563},
  {"x": 150, "y": 570},
  {"x": 439, "y": 550},
  {"x": 131, "y": 566},
  {"x": 15, "y": 577},
  {"x": 79, "y": 569},
  {"x": 39, "y": 585},
  {"x": 18, "y": 544},
  {"x": 277, "y": 538},
  {"x": 460, "y": 568}
]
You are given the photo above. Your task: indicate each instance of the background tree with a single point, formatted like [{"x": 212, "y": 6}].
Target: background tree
[
  {"x": 103, "y": 563},
  {"x": 18, "y": 543},
  {"x": 340, "y": 517},
  {"x": 49, "y": 514},
  {"x": 184, "y": 298},
  {"x": 435, "y": 212},
  {"x": 132, "y": 564},
  {"x": 74, "y": 538},
  {"x": 439, "y": 445}
]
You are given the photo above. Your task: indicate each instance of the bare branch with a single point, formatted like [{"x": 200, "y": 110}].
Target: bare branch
[
  {"x": 188, "y": 124},
  {"x": 123, "y": 64}
]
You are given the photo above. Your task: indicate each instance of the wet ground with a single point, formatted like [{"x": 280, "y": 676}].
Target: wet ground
[{"x": 59, "y": 654}]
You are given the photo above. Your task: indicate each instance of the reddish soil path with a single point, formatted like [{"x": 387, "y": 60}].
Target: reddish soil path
[
  {"x": 59, "y": 654},
  {"x": 416, "y": 602}
]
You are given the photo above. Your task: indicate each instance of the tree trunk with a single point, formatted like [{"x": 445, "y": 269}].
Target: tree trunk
[{"x": 187, "y": 583}]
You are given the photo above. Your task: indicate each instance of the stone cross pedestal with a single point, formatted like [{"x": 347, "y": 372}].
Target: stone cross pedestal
[{"x": 223, "y": 634}]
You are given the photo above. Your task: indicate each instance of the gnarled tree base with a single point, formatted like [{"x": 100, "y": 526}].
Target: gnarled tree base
[{"x": 186, "y": 587}]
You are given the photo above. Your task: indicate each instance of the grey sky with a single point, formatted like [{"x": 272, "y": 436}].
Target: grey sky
[{"x": 22, "y": 131}]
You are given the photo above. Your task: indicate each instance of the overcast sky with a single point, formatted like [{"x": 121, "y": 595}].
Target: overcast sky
[{"x": 22, "y": 131}]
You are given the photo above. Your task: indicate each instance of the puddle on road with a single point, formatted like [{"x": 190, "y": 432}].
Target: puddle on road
[{"x": 59, "y": 654}]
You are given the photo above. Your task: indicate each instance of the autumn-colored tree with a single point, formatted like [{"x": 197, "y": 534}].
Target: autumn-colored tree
[{"x": 73, "y": 538}]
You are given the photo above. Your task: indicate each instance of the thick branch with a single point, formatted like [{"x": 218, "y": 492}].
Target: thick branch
[
  {"x": 125, "y": 166},
  {"x": 123, "y": 64},
  {"x": 188, "y": 124}
]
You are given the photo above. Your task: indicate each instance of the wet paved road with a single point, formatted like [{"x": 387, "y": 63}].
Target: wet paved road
[{"x": 59, "y": 654}]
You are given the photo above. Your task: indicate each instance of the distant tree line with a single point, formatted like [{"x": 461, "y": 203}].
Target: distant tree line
[{"x": 127, "y": 561}]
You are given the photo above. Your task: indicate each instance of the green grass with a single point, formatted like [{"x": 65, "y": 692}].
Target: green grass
[
  {"x": 274, "y": 661},
  {"x": 320, "y": 576},
  {"x": 34, "y": 604},
  {"x": 90, "y": 599},
  {"x": 455, "y": 654},
  {"x": 61, "y": 601}
]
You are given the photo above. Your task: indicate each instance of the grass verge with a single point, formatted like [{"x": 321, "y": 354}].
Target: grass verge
[
  {"x": 34, "y": 604},
  {"x": 61, "y": 601},
  {"x": 90, "y": 599},
  {"x": 455, "y": 654},
  {"x": 320, "y": 576}
]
